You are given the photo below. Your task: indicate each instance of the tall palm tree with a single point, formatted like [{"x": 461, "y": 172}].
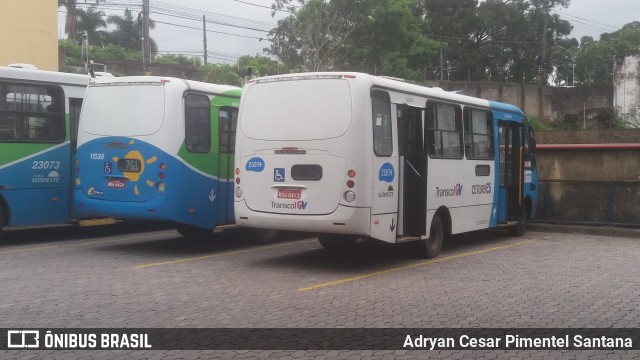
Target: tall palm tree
[
  {"x": 90, "y": 21},
  {"x": 128, "y": 31},
  {"x": 70, "y": 22}
]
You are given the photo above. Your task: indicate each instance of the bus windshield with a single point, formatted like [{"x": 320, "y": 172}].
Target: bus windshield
[
  {"x": 139, "y": 110},
  {"x": 297, "y": 110}
]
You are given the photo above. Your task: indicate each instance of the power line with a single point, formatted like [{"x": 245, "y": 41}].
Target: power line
[
  {"x": 263, "y": 6},
  {"x": 212, "y": 31}
]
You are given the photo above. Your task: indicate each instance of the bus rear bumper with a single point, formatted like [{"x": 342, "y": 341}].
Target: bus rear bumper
[{"x": 344, "y": 220}]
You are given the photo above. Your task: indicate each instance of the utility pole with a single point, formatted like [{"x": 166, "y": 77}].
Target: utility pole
[
  {"x": 146, "y": 48},
  {"x": 541, "y": 70},
  {"x": 204, "y": 38}
]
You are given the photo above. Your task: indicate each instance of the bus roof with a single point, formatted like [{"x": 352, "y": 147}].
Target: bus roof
[
  {"x": 383, "y": 82},
  {"x": 190, "y": 84},
  {"x": 506, "y": 107},
  {"x": 44, "y": 76}
]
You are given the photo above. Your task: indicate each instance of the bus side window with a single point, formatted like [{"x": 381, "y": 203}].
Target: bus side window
[
  {"x": 478, "y": 134},
  {"x": 197, "y": 115},
  {"x": 381, "y": 111},
  {"x": 444, "y": 130},
  {"x": 75, "y": 104}
]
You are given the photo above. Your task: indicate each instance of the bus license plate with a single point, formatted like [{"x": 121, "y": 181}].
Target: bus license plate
[
  {"x": 289, "y": 194},
  {"x": 116, "y": 183}
]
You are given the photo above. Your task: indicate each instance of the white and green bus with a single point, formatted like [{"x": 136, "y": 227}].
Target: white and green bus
[
  {"x": 158, "y": 148},
  {"x": 39, "y": 112},
  {"x": 350, "y": 155}
]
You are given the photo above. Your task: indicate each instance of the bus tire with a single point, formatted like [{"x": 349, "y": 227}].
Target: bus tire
[
  {"x": 193, "y": 232},
  {"x": 519, "y": 228},
  {"x": 334, "y": 242},
  {"x": 433, "y": 245}
]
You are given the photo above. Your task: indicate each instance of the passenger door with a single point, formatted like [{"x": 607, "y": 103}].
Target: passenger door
[
  {"x": 413, "y": 171},
  {"x": 227, "y": 121},
  {"x": 384, "y": 211}
]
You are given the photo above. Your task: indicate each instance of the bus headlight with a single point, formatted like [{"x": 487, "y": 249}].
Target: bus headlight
[
  {"x": 238, "y": 192},
  {"x": 349, "y": 196}
]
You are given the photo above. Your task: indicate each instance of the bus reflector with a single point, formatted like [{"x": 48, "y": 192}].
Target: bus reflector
[
  {"x": 55, "y": 199},
  {"x": 192, "y": 210},
  {"x": 349, "y": 76},
  {"x": 376, "y": 222},
  {"x": 351, "y": 173}
]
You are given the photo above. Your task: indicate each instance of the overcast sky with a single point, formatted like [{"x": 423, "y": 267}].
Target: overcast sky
[{"x": 589, "y": 17}]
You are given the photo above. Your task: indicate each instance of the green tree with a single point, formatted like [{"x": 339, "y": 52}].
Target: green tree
[
  {"x": 91, "y": 21},
  {"x": 70, "y": 19},
  {"x": 220, "y": 74},
  {"x": 128, "y": 32}
]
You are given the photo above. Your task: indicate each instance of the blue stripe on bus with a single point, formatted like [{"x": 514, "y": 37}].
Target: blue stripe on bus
[{"x": 190, "y": 197}]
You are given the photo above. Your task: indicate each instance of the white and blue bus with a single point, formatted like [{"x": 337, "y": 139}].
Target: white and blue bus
[
  {"x": 350, "y": 155},
  {"x": 39, "y": 112},
  {"x": 158, "y": 148}
]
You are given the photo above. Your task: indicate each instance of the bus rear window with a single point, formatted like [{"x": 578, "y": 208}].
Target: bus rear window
[
  {"x": 296, "y": 110},
  {"x": 139, "y": 109}
]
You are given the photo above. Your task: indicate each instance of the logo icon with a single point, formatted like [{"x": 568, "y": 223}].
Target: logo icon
[
  {"x": 255, "y": 164},
  {"x": 108, "y": 167},
  {"x": 278, "y": 175},
  {"x": 23, "y": 339},
  {"x": 386, "y": 173},
  {"x": 301, "y": 205}
]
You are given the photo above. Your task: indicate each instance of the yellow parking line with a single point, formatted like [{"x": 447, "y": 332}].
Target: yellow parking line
[
  {"x": 434, "y": 261},
  {"x": 175, "y": 261},
  {"x": 78, "y": 244}
]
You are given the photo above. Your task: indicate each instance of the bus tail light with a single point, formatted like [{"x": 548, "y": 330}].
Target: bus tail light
[
  {"x": 163, "y": 167},
  {"x": 161, "y": 175},
  {"x": 238, "y": 189},
  {"x": 351, "y": 184},
  {"x": 349, "y": 196},
  {"x": 351, "y": 173}
]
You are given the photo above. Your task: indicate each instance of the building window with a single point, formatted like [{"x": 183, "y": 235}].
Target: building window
[
  {"x": 444, "y": 130},
  {"x": 478, "y": 134},
  {"x": 197, "y": 120}
]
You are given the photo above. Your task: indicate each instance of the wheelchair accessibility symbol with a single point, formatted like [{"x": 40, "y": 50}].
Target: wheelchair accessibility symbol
[{"x": 278, "y": 174}]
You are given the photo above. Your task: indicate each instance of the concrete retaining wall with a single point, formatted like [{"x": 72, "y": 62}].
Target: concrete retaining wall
[{"x": 589, "y": 185}]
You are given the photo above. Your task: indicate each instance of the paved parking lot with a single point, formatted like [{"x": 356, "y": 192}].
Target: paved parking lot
[{"x": 149, "y": 276}]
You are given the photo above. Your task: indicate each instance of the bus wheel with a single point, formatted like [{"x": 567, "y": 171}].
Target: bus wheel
[
  {"x": 520, "y": 227},
  {"x": 193, "y": 232},
  {"x": 433, "y": 245},
  {"x": 337, "y": 242}
]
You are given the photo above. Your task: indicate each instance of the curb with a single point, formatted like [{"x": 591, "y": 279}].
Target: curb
[{"x": 585, "y": 229}]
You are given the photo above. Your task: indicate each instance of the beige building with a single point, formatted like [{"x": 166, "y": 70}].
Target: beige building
[{"x": 29, "y": 33}]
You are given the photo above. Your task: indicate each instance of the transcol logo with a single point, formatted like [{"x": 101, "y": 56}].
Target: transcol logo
[
  {"x": 300, "y": 205},
  {"x": 456, "y": 190}
]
